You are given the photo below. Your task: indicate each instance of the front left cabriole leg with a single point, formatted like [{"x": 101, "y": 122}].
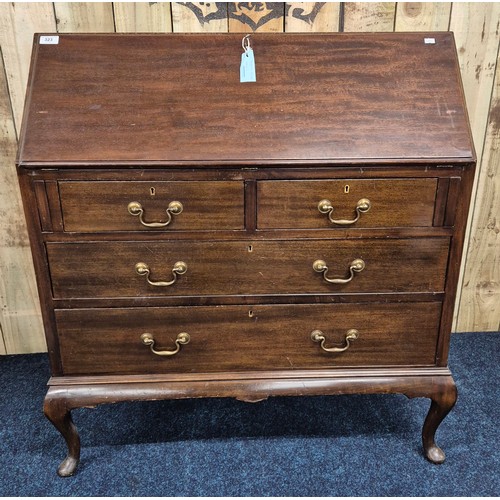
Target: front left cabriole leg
[{"x": 57, "y": 411}]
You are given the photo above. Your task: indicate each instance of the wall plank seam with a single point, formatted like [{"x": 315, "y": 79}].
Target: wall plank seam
[{"x": 9, "y": 95}]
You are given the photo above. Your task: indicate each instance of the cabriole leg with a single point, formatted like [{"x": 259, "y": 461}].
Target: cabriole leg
[
  {"x": 442, "y": 402},
  {"x": 56, "y": 410}
]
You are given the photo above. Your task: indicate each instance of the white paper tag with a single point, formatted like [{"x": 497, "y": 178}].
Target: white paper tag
[
  {"x": 247, "y": 68},
  {"x": 429, "y": 40},
  {"x": 49, "y": 40}
]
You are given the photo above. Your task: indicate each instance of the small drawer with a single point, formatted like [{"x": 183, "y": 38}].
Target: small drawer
[
  {"x": 237, "y": 338},
  {"x": 97, "y": 206},
  {"x": 145, "y": 269},
  {"x": 321, "y": 204}
]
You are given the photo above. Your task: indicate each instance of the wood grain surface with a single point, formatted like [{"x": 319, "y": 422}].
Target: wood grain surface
[
  {"x": 422, "y": 16},
  {"x": 477, "y": 36},
  {"x": 474, "y": 27},
  {"x": 201, "y": 17},
  {"x": 84, "y": 17},
  {"x": 20, "y": 321},
  {"x": 228, "y": 338},
  {"x": 362, "y": 105},
  {"x": 207, "y": 206},
  {"x": 394, "y": 203},
  {"x": 142, "y": 17},
  {"x": 369, "y": 16},
  {"x": 251, "y": 17},
  {"x": 106, "y": 269},
  {"x": 18, "y": 22},
  {"x": 480, "y": 297},
  {"x": 303, "y": 17},
  {"x": 369, "y": 108}
]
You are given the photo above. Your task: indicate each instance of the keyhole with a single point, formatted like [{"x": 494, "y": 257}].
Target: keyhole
[
  {"x": 152, "y": 191},
  {"x": 250, "y": 314},
  {"x": 346, "y": 189},
  {"x": 250, "y": 248}
]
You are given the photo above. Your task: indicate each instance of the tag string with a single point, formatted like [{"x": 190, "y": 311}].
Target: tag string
[{"x": 245, "y": 42}]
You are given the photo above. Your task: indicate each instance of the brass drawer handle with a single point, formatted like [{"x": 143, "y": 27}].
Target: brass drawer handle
[
  {"x": 182, "y": 339},
  {"x": 142, "y": 269},
  {"x": 318, "y": 336},
  {"x": 326, "y": 207},
  {"x": 356, "y": 266},
  {"x": 174, "y": 208}
]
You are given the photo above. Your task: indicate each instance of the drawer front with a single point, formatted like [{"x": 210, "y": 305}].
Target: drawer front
[
  {"x": 232, "y": 338},
  {"x": 392, "y": 203},
  {"x": 104, "y": 206},
  {"x": 108, "y": 269}
]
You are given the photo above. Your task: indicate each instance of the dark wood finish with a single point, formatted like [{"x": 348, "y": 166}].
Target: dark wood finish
[
  {"x": 451, "y": 206},
  {"x": 334, "y": 97},
  {"x": 251, "y": 206},
  {"x": 382, "y": 112},
  {"x": 461, "y": 204},
  {"x": 42, "y": 205},
  {"x": 207, "y": 206},
  {"x": 232, "y": 338},
  {"x": 441, "y": 199},
  {"x": 147, "y": 171},
  {"x": 41, "y": 269},
  {"x": 216, "y": 300},
  {"x": 57, "y": 411},
  {"x": 246, "y": 268},
  {"x": 394, "y": 202},
  {"x": 62, "y": 399},
  {"x": 55, "y": 205},
  {"x": 442, "y": 401}
]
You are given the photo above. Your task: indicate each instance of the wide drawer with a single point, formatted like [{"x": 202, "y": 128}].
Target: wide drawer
[
  {"x": 231, "y": 338},
  {"x": 110, "y": 269},
  {"x": 391, "y": 202},
  {"x": 104, "y": 206}
]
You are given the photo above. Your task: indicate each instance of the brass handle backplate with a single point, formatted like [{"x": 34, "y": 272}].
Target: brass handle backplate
[
  {"x": 142, "y": 269},
  {"x": 318, "y": 336},
  {"x": 182, "y": 339},
  {"x": 174, "y": 208},
  {"x": 356, "y": 266},
  {"x": 326, "y": 207}
]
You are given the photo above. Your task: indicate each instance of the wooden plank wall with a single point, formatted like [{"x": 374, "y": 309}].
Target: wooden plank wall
[{"x": 476, "y": 28}]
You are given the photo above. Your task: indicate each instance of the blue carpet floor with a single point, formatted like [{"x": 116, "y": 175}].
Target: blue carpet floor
[{"x": 316, "y": 446}]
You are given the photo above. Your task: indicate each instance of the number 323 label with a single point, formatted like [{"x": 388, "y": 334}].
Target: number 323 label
[{"x": 49, "y": 40}]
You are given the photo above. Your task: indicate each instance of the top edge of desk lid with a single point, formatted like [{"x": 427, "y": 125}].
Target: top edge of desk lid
[{"x": 176, "y": 99}]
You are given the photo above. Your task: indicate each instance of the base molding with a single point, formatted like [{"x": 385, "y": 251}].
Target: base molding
[
  {"x": 434, "y": 383},
  {"x": 336, "y": 373}
]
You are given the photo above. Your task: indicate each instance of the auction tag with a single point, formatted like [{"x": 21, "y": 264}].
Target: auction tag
[
  {"x": 247, "y": 67},
  {"x": 49, "y": 40}
]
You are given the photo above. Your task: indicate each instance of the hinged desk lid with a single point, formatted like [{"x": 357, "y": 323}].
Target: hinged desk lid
[{"x": 177, "y": 99}]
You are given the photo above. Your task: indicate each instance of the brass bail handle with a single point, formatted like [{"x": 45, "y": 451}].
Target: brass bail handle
[
  {"x": 326, "y": 207},
  {"x": 174, "y": 208},
  {"x": 318, "y": 336},
  {"x": 142, "y": 269},
  {"x": 356, "y": 266},
  {"x": 182, "y": 339}
]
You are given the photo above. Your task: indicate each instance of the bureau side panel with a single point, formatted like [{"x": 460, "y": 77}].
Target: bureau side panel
[
  {"x": 41, "y": 267},
  {"x": 460, "y": 204}
]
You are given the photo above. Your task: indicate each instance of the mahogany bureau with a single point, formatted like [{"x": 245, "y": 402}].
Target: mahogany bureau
[{"x": 198, "y": 236}]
